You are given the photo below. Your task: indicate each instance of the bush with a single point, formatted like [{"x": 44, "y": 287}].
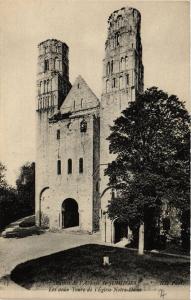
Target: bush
[
  {"x": 19, "y": 232},
  {"x": 28, "y": 222}
]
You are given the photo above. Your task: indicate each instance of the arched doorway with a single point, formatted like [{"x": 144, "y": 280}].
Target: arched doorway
[
  {"x": 70, "y": 214},
  {"x": 43, "y": 218},
  {"x": 120, "y": 230}
]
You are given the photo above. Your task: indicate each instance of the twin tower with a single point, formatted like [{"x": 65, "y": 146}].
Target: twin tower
[{"x": 63, "y": 110}]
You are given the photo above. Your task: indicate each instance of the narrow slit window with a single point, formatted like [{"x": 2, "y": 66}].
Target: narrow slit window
[
  {"x": 59, "y": 167},
  {"x": 81, "y": 165},
  {"x": 69, "y": 166},
  {"x": 111, "y": 66},
  {"x": 58, "y": 134},
  {"x": 127, "y": 79},
  {"x": 117, "y": 39},
  {"x": 114, "y": 82},
  {"x": 46, "y": 65}
]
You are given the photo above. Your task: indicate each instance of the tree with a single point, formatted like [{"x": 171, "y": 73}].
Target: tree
[
  {"x": 20, "y": 202},
  {"x": 8, "y": 200},
  {"x": 151, "y": 143},
  {"x": 26, "y": 188},
  {"x": 2, "y": 176}
]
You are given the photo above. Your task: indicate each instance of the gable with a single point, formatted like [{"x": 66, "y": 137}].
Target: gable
[{"x": 80, "y": 97}]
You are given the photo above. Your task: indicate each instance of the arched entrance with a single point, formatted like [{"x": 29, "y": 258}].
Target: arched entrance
[
  {"x": 70, "y": 214},
  {"x": 120, "y": 230},
  {"x": 43, "y": 218}
]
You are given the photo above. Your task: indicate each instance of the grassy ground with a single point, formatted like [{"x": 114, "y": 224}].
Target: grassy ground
[{"x": 84, "y": 264}]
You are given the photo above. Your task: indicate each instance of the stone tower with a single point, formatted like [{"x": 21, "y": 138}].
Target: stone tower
[
  {"x": 52, "y": 87},
  {"x": 122, "y": 76}
]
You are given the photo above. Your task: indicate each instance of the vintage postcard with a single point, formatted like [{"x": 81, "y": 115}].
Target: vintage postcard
[{"x": 94, "y": 155}]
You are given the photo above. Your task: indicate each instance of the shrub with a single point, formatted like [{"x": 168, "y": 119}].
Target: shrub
[{"x": 28, "y": 222}]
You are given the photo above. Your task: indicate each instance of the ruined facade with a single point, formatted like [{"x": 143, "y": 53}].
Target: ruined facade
[
  {"x": 67, "y": 168},
  {"x": 72, "y": 127}
]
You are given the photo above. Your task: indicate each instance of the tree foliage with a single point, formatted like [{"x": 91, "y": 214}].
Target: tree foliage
[
  {"x": 151, "y": 143},
  {"x": 19, "y": 202},
  {"x": 26, "y": 187},
  {"x": 2, "y": 176}
]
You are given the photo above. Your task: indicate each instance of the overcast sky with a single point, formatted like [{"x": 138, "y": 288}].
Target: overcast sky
[{"x": 83, "y": 26}]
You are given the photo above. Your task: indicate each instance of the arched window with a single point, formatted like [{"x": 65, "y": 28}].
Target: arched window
[
  {"x": 81, "y": 167},
  {"x": 81, "y": 102},
  {"x": 74, "y": 104},
  {"x": 69, "y": 166},
  {"x": 46, "y": 65},
  {"x": 121, "y": 82},
  {"x": 108, "y": 68},
  {"x": 59, "y": 167}
]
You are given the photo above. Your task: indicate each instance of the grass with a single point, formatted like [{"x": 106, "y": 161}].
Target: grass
[{"x": 84, "y": 264}]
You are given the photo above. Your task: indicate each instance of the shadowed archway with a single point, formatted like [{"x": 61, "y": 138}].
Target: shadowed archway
[
  {"x": 70, "y": 214},
  {"x": 120, "y": 230}
]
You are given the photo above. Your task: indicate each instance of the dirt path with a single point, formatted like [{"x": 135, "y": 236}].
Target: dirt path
[{"x": 14, "y": 251}]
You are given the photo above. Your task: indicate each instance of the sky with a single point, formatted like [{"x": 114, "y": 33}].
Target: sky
[{"x": 82, "y": 25}]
